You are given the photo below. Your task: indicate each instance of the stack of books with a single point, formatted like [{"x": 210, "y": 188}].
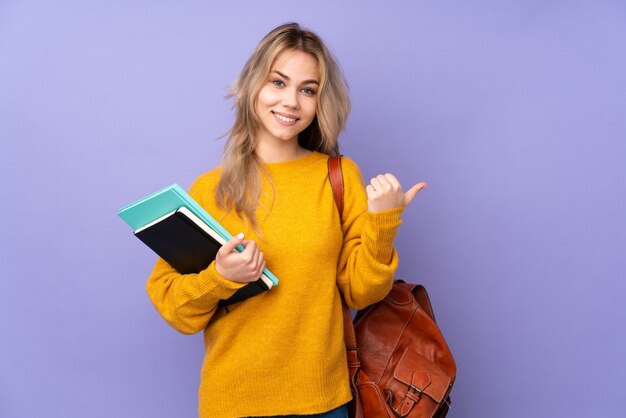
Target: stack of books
[{"x": 185, "y": 235}]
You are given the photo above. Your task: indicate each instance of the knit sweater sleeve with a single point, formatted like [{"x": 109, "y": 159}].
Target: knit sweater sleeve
[
  {"x": 368, "y": 260},
  {"x": 188, "y": 301}
]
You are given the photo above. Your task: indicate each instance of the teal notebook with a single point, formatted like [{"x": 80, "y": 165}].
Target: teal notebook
[{"x": 158, "y": 204}]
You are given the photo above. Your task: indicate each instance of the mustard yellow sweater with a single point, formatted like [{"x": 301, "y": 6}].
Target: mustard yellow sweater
[{"x": 282, "y": 352}]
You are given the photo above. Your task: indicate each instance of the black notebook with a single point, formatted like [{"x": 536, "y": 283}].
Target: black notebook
[{"x": 189, "y": 245}]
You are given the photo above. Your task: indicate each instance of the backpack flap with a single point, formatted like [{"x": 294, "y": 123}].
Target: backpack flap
[{"x": 417, "y": 384}]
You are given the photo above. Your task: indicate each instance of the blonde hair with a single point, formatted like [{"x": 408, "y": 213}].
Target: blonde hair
[{"x": 240, "y": 183}]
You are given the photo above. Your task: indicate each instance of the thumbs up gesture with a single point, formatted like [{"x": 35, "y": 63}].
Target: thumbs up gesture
[{"x": 385, "y": 192}]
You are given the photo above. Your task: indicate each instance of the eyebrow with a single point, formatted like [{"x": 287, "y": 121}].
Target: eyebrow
[{"x": 288, "y": 79}]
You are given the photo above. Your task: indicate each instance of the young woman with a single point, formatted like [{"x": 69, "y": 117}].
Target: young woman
[{"x": 282, "y": 352}]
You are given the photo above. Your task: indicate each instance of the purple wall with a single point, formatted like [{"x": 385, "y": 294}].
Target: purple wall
[{"x": 513, "y": 112}]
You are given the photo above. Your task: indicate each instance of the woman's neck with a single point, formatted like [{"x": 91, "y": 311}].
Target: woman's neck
[{"x": 280, "y": 152}]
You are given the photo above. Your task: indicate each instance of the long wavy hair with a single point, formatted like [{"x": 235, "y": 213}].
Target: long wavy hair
[{"x": 240, "y": 184}]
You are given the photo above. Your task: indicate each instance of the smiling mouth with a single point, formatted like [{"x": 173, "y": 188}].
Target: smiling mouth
[{"x": 284, "y": 119}]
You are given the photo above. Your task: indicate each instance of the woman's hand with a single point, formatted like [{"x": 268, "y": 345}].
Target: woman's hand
[
  {"x": 240, "y": 267},
  {"x": 385, "y": 192}
]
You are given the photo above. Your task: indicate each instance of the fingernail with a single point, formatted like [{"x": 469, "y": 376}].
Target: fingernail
[{"x": 240, "y": 235}]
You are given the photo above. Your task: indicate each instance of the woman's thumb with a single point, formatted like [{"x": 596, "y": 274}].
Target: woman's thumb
[
  {"x": 410, "y": 194},
  {"x": 230, "y": 245}
]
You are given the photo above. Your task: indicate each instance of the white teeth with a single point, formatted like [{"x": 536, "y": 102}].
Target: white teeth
[{"x": 284, "y": 119}]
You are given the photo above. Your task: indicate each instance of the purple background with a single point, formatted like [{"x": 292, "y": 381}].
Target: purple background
[{"x": 512, "y": 111}]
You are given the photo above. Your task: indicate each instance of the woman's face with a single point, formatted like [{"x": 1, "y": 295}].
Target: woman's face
[{"x": 288, "y": 101}]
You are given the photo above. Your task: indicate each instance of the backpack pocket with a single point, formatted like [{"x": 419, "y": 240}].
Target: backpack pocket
[{"x": 418, "y": 386}]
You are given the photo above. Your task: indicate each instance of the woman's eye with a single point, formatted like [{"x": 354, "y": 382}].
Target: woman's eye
[
  {"x": 278, "y": 83},
  {"x": 308, "y": 91}
]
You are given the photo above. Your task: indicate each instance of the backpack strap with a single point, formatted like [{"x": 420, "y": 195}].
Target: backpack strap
[{"x": 335, "y": 176}]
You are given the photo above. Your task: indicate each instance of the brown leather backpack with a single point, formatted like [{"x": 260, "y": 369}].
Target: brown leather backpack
[{"x": 399, "y": 362}]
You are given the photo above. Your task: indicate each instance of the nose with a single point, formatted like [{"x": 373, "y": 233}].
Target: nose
[{"x": 290, "y": 98}]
